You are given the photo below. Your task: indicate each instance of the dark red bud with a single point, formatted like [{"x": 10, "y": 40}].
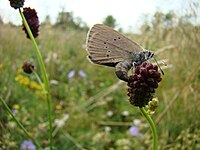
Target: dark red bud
[
  {"x": 143, "y": 72},
  {"x": 141, "y": 78},
  {"x": 136, "y": 84},
  {"x": 144, "y": 64},
  {"x": 137, "y": 70},
  {"x": 149, "y": 66},
  {"x": 155, "y": 67},
  {"x": 159, "y": 79},
  {"x": 132, "y": 78},
  {"x": 150, "y": 80},
  {"x": 154, "y": 85},
  {"x": 143, "y": 84},
  {"x": 154, "y": 73}
]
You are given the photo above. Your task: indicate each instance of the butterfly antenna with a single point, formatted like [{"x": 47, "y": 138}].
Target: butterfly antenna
[{"x": 158, "y": 66}]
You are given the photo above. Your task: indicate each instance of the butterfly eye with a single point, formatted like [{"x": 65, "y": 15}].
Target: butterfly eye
[
  {"x": 148, "y": 54},
  {"x": 115, "y": 39},
  {"x": 104, "y": 42},
  {"x": 119, "y": 38}
]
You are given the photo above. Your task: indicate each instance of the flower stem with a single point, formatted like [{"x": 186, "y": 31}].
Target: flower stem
[
  {"x": 18, "y": 123},
  {"x": 39, "y": 80},
  {"x": 44, "y": 75},
  {"x": 153, "y": 128}
]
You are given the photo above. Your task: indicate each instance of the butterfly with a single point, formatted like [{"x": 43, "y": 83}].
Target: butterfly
[{"x": 108, "y": 47}]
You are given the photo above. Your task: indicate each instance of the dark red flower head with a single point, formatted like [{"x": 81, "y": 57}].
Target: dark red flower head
[
  {"x": 32, "y": 20},
  {"x": 16, "y": 3},
  {"x": 142, "y": 84},
  {"x": 28, "y": 67}
]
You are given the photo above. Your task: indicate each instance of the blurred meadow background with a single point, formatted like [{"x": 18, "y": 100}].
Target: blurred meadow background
[{"x": 90, "y": 105}]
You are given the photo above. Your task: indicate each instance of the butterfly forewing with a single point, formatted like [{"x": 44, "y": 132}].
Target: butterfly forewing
[{"x": 108, "y": 47}]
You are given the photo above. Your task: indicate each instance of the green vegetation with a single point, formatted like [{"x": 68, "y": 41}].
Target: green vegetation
[
  {"x": 110, "y": 21},
  {"x": 96, "y": 104}
]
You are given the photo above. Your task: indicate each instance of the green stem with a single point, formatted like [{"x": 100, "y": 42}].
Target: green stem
[
  {"x": 44, "y": 75},
  {"x": 39, "y": 56},
  {"x": 19, "y": 124},
  {"x": 153, "y": 128},
  {"x": 39, "y": 80}
]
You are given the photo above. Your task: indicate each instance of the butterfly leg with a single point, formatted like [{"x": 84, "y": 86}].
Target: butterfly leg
[
  {"x": 121, "y": 70},
  {"x": 135, "y": 64}
]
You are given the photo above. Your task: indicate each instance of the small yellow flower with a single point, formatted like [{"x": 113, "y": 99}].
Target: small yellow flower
[
  {"x": 19, "y": 70},
  {"x": 22, "y": 79},
  {"x": 25, "y": 81},
  {"x": 58, "y": 107},
  {"x": 16, "y": 106},
  {"x": 18, "y": 78},
  {"x": 35, "y": 85}
]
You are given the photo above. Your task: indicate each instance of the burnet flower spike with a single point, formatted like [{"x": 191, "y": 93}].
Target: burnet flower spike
[
  {"x": 16, "y": 3},
  {"x": 32, "y": 20},
  {"x": 28, "y": 67},
  {"x": 142, "y": 84}
]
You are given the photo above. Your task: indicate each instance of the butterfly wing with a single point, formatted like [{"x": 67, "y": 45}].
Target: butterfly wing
[{"x": 108, "y": 47}]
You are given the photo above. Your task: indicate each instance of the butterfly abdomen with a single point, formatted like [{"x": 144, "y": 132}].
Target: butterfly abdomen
[{"x": 121, "y": 70}]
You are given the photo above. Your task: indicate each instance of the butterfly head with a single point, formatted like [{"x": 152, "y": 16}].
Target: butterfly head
[
  {"x": 148, "y": 54},
  {"x": 141, "y": 57},
  {"x": 144, "y": 56}
]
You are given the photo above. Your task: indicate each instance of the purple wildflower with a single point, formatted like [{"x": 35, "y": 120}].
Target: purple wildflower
[
  {"x": 82, "y": 73},
  {"x": 28, "y": 145},
  {"x": 15, "y": 111},
  {"x": 134, "y": 130},
  {"x": 71, "y": 74}
]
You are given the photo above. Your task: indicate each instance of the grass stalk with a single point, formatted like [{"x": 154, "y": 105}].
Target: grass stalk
[{"x": 19, "y": 124}]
